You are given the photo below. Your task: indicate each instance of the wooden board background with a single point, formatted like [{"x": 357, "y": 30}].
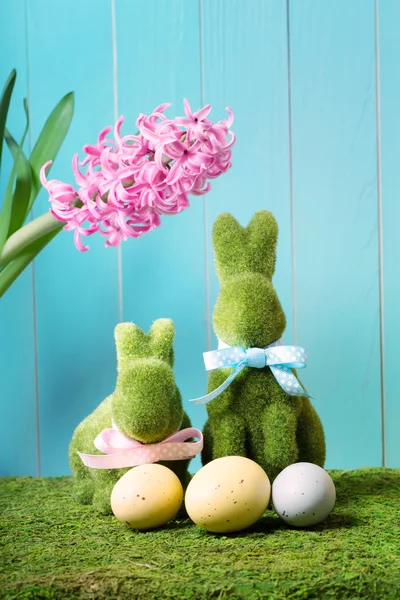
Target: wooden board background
[{"x": 315, "y": 88}]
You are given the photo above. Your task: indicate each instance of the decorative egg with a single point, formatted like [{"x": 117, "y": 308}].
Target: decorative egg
[
  {"x": 147, "y": 496},
  {"x": 303, "y": 494},
  {"x": 228, "y": 494}
]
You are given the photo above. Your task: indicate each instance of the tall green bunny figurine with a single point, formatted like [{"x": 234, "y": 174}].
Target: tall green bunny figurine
[
  {"x": 145, "y": 407},
  {"x": 254, "y": 416}
]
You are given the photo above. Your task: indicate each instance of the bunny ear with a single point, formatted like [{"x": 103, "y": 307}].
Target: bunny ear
[
  {"x": 229, "y": 246},
  {"x": 262, "y": 237},
  {"x": 161, "y": 336},
  {"x": 131, "y": 342},
  {"x": 251, "y": 249}
]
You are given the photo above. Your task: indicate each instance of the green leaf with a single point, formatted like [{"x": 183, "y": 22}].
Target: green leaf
[
  {"x": 5, "y": 215},
  {"x": 11, "y": 271},
  {"x": 21, "y": 194},
  {"x": 50, "y": 140},
  {"x": 4, "y": 104},
  {"x": 23, "y": 186},
  {"x": 11, "y": 143}
]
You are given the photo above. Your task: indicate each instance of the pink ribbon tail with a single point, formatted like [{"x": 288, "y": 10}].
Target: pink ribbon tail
[{"x": 121, "y": 452}]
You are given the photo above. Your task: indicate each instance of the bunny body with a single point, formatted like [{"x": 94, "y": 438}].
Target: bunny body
[
  {"x": 254, "y": 416},
  {"x": 146, "y": 406}
]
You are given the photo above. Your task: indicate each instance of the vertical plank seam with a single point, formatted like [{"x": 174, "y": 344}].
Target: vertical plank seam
[
  {"x": 380, "y": 233},
  {"x": 33, "y": 279},
  {"x": 36, "y": 369},
  {"x": 115, "y": 100},
  {"x": 205, "y": 216},
  {"x": 291, "y": 195}
]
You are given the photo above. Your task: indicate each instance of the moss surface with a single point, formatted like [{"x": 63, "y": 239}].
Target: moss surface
[{"x": 52, "y": 547}]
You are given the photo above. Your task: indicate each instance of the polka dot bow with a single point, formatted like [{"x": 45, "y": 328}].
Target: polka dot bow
[
  {"x": 280, "y": 359},
  {"x": 121, "y": 451}
]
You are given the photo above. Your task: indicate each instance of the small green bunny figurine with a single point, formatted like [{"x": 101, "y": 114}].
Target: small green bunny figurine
[
  {"x": 254, "y": 416},
  {"x": 146, "y": 406}
]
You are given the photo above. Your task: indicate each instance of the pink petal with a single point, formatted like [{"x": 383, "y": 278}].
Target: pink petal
[
  {"x": 228, "y": 122},
  {"x": 187, "y": 109},
  {"x": 203, "y": 112}
]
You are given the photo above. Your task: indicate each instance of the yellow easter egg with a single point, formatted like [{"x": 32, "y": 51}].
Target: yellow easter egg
[
  {"x": 147, "y": 496},
  {"x": 228, "y": 494}
]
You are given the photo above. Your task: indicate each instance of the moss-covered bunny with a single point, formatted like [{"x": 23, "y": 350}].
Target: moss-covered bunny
[
  {"x": 254, "y": 416},
  {"x": 146, "y": 406}
]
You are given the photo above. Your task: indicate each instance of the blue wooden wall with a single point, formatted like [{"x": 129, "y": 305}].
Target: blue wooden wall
[{"x": 315, "y": 88}]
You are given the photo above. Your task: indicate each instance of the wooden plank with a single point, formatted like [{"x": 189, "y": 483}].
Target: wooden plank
[
  {"x": 389, "y": 48},
  {"x": 336, "y": 225},
  {"x": 17, "y": 348},
  {"x": 164, "y": 271},
  {"x": 70, "y": 48},
  {"x": 245, "y": 67}
]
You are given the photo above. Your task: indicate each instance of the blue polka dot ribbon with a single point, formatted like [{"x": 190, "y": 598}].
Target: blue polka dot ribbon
[{"x": 280, "y": 359}]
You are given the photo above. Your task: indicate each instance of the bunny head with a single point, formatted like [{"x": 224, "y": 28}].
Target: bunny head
[
  {"x": 146, "y": 404},
  {"x": 247, "y": 312}
]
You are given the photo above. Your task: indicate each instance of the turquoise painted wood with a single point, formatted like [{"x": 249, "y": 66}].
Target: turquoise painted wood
[
  {"x": 246, "y": 68},
  {"x": 303, "y": 89},
  {"x": 335, "y": 221},
  {"x": 70, "y": 48},
  {"x": 18, "y": 455},
  {"x": 389, "y": 15},
  {"x": 163, "y": 273}
]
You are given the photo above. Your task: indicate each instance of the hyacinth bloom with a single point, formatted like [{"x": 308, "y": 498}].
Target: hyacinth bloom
[{"x": 125, "y": 184}]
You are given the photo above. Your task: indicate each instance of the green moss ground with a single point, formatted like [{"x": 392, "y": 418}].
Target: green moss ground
[{"x": 54, "y": 548}]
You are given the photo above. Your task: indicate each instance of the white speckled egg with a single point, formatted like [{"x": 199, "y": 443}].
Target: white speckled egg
[
  {"x": 303, "y": 494},
  {"x": 147, "y": 496},
  {"x": 228, "y": 494}
]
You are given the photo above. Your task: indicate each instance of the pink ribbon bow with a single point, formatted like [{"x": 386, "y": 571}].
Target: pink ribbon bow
[{"x": 121, "y": 451}]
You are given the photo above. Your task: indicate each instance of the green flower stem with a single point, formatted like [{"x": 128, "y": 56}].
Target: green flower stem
[{"x": 28, "y": 234}]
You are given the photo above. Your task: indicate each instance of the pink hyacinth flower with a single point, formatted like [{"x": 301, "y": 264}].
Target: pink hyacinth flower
[{"x": 125, "y": 183}]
